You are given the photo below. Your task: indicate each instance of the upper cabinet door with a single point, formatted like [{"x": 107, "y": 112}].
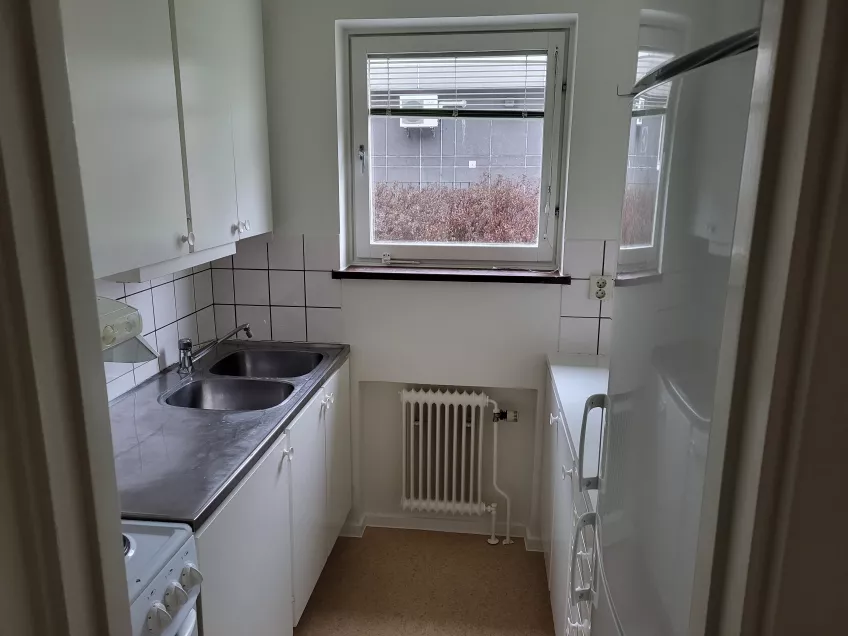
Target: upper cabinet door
[
  {"x": 250, "y": 118},
  {"x": 202, "y": 45},
  {"x": 123, "y": 96}
]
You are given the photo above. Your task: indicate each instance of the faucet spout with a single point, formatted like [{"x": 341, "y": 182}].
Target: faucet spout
[{"x": 187, "y": 358}]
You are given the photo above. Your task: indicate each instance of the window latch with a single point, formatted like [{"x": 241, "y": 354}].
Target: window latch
[{"x": 362, "y": 158}]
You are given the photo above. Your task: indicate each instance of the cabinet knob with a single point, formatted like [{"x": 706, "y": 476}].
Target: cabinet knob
[
  {"x": 553, "y": 418},
  {"x": 234, "y": 228},
  {"x": 188, "y": 238},
  {"x": 247, "y": 225},
  {"x": 288, "y": 453}
]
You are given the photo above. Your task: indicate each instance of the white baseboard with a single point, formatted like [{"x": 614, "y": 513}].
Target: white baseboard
[
  {"x": 532, "y": 542},
  {"x": 353, "y": 529},
  {"x": 478, "y": 525}
]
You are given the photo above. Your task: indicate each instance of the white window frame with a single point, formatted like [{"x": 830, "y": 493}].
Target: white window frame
[
  {"x": 648, "y": 258},
  {"x": 555, "y": 42}
]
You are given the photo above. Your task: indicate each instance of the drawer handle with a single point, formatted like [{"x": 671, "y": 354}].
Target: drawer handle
[
  {"x": 586, "y": 593},
  {"x": 553, "y": 418},
  {"x": 567, "y": 473},
  {"x": 597, "y": 401}
]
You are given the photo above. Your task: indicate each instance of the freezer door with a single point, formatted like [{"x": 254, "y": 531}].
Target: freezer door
[{"x": 667, "y": 342}]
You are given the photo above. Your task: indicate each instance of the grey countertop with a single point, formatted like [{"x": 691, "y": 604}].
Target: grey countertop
[{"x": 179, "y": 464}]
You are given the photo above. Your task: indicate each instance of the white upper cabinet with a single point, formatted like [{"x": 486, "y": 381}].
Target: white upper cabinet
[
  {"x": 250, "y": 118},
  {"x": 202, "y": 34},
  {"x": 124, "y": 102}
]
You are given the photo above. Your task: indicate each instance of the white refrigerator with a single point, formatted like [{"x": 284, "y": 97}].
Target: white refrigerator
[{"x": 665, "y": 422}]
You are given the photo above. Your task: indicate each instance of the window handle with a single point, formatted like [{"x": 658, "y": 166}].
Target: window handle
[{"x": 361, "y": 158}]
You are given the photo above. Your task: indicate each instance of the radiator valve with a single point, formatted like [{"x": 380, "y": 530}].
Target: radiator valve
[{"x": 505, "y": 416}]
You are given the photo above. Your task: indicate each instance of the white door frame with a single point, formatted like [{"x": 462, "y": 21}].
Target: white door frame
[{"x": 62, "y": 566}]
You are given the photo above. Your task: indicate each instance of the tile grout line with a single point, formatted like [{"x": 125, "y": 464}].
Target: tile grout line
[{"x": 305, "y": 313}]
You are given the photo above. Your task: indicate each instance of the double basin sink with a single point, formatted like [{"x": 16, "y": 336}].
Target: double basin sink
[{"x": 231, "y": 392}]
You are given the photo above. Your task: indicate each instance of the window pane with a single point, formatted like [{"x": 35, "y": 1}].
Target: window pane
[
  {"x": 643, "y": 180},
  {"x": 473, "y": 181}
]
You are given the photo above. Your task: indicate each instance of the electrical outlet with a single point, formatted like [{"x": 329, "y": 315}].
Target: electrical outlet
[{"x": 600, "y": 287}]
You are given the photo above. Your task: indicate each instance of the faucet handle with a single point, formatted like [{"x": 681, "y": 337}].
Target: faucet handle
[{"x": 184, "y": 344}]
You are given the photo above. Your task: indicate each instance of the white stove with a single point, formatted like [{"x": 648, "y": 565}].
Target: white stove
[{"x": 162, "y": 578}]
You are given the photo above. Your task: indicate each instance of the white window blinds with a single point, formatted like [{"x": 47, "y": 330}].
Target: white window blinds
[
  {"x": 657, "y": 97},
  {"x": 463, "y": 85}
]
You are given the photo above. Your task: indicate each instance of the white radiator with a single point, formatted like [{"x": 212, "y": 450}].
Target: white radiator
[{"x": 443, "y": 451}]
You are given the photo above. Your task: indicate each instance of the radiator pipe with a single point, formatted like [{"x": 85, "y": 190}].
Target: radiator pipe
[
  {"x": 496, "y": 420},
  {"x": 492, "y": 509}
]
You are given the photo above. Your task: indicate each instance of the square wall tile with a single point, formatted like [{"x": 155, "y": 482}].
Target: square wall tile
[
  {"x": 119, "y": 386},
  {"x": 143, "y": 301},
  {"x": 607, "y": 305},
  {"x": 225, "y": 319},
  {"x": 164, "y": 305},
  {"x": 187, "y": 328},
  {"x": 222, "y": 263},
  {"x": 115, "y": 370},
  {"x": 201, "y": 268},
  {"x": 222, "y": 286},
  {"x": 166, "y": 345},
  {"x": 161, "y": 280},
  {"x": 578, "y": 335},
  {"x": 286, "y": 252},
  {"x": 259, "y": 319},
  {"x": 205, "y": 324},
  {"x": 610, "y": 258},
  {"x": 322, "y": 290},
  {"x": 203, "y": 289},
  {"x": 145, "y": 371},
  {"x": 183, "y": 273},
  {"x": 134, "y": 288},
  {"x": 289, "y": 323},
  {"x": 251, "y": 286},
  {"x": 184, "y": 296},
  {"x": 323, "y": 325},
  {"x": 251, "y": 253},
  {"x": 321, "y": 253},
  {"x": 108, "y": 288},
  {"x": 605, "y": 337},
  {"x": 287, "y": 288},
  {"x": 576, "y": 301},
  {"x": 583, "y": 258}
]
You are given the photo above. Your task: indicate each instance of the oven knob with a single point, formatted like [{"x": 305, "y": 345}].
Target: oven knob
[
  {"x": 175, "y": 597},
  {"x": 158, "y": 619},
  {"x": 190, "y": 576}
]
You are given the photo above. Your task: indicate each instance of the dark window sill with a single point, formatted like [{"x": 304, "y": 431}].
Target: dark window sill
[{"x": 357, "y": 272}]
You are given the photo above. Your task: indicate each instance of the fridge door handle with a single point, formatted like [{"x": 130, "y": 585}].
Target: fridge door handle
[
  {"x": 597, "y": 401},
  {"x": 585, "y": 593}
]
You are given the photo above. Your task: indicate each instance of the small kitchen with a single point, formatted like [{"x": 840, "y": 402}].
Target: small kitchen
[{"x": 384, "y": 291}]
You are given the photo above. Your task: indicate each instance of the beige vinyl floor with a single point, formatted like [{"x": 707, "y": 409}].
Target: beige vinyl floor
[{"x": 411, "y": 583}]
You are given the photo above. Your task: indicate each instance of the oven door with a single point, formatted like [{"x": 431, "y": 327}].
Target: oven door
[{"x": 189, "y": 626}]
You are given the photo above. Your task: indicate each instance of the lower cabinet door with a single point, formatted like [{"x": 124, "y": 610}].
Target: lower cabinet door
[
  {"x": 339, "y": 486},
  {"x": 309, "y": 500},
  {"x": 549, "y": 476},
  {"x": 563, "y": 527},
  {"x": 244, "y": 552}
]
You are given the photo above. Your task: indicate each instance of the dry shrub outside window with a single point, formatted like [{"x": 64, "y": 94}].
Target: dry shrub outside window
[{"x": 495, "y": 210}]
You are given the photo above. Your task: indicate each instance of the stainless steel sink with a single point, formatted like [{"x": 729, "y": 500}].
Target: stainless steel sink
[
  {"x": 267, "y": 364},
  {"x": 230, "y": 395}
]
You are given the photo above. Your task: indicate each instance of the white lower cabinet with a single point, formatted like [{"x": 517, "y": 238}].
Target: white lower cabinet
[
  {"x": 245, "y": 549},
  {"x": 546, "y": 503},
  {"x": 263, "y": 550},
  {"x": 562, "y": 532},
  {"x": 309, "y": 500}
]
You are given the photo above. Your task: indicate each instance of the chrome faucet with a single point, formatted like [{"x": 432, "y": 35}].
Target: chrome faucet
[{"x": 187, "y": 358}]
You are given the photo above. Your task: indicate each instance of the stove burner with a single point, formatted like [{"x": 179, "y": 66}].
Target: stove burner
[{"x": 126, "y": 544}]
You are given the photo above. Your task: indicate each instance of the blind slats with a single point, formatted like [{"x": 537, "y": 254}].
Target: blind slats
[
  {"x": 513, "y": 82},
  {"x": 657, "y": 97}
]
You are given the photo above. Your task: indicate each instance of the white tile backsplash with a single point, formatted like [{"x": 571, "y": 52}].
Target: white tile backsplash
[
  {"x": 604, "y": 337},
  {"x": 145, "y": 370},
  {"x": 187, "y": 328},
  {"x": 576, "y": 301},
  {"x": 203, "y": 289},
  {"x": 143, "y": 301},
  {"x": 259, "y": 319},
  {"x": 583, "y": 258},
  {"x": 225, "y": 319},
  {"x": 323, "y": 325},
  {"x": 120, "y": 386},
  {"x": 251, "y": 253},
  {"x": 184, "y": 296},
  {"x": 164, "y": 305},
  {"x": 115, "y": 370},
  {"x": 167, "y": 278},
  {"x": 222, "y": 286},
  {"x": 222, "y": 263},
  {"x": 286, "y": 252},
  {"x": 289, "y": 323},
  {"x": 206, "y": 324},
  {"x": 610, "y": 258},
  {"x": 134, "y": 288},
  {"x": 321, "y": 253},
  {"x": 251, "y": 286},
  {"x": 322, "y": 290},
  {"x": 578, "y": 335},
  {"x": 109, "y": 289},
  {"x": 287, "y": 288},
  {"x": 166, "y": 345}
]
